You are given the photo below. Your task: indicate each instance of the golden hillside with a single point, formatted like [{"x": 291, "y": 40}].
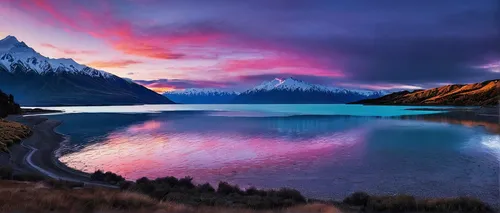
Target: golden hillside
[{"x": 477, "y": 94}]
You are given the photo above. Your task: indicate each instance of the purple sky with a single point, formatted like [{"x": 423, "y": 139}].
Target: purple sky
[{"x": 236, "y": 44}]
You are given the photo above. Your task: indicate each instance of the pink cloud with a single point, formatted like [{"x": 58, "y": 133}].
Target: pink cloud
[
  {"x": 68, "y": 51},
  {"x": 113, "y": 63},
  {"x": 283, "y": 64},
  {"x": 163, "y": 85},
  {"x": 122, "y": 35}
]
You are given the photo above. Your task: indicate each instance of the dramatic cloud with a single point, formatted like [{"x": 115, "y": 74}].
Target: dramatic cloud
[
  {"x": 163, "y": 85},
  {"x": 368, "y": 44},
  {"x": 112, "y": 64}
]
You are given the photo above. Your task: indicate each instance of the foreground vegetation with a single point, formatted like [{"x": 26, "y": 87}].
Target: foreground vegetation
[
  {"x": 8, "y": 105},
  {"x": 170, "y": 194},
  {"x": 11, "y": 132},
  {"x": 184, "y": 191}
]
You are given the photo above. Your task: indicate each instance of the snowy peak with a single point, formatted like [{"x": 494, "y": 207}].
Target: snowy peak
[
  {"x": 9, "y": 43},
  {"x": 292, "y": 84},
  {"x": 14, "y": 53},
  {"x": 9, "y": 40},
  {"x": 283, "y": 84},
  {"x": 199, "y": 91}
]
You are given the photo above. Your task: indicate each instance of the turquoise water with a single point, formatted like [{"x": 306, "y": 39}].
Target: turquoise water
[
  {"x": 318, "y": 149},
  {"x": 273, "y": 109}
]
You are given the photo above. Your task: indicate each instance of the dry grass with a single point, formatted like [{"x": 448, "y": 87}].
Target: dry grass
[
  {"x": 40, "y": 197},
  {"x": 11, "y": 132}
]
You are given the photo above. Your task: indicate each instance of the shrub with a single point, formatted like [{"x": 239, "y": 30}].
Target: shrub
[
  {"x": 97, "y": 176},
  {"x": 206, "y": 188},
  {"x": 291, "y": 194},
  {"x": 107, "y": 177},
  {"x": 225, "y": 189},
  {"x": 357, "y": 199},
  {"x": 142, "y": 180},
  {"x": 186, "y": 182}
]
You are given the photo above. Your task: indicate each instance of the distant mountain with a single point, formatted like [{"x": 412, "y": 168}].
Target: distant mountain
[
  {"x": 293, "y": 91},
  {"x": 37, "y": 80},
  {"x": 478, "y": 94},
  {"x": 201, "y": 96}
]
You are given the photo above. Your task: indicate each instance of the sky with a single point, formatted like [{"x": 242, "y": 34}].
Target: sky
[{"x": 234, "y": 45}]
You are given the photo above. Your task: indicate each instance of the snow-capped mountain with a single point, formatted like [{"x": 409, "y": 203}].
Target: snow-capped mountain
[
  {"x": 38, "y": 80},
  {"x": 291, "y": 90},
  {"x": 201, "y": 96}
]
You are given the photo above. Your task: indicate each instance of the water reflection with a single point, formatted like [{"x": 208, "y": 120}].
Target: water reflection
[{"x": 322, "y": 156}]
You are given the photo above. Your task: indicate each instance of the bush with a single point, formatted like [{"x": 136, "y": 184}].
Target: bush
[
  {"x": 107, "y": 177},
  {"x": 291, "y": 194},
  {"x": 357, "y": 199},
  {"x": 186, "y": 182},
  {"x": 225, "y": 189},
  {"x": 97, "y": 176},
  {"x": 206, "y": 188},
  {"x": 406, "y": 203}
]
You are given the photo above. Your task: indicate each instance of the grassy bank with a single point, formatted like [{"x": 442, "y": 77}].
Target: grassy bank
[
  {"x": 11, "y": 132},
  {"x": 170, "y": 194},
  {"x": 184, "y": 191},
  {"x": 50, "y": 197}
]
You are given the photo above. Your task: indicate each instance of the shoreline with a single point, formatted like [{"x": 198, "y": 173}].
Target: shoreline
[{"x": 38, "y": 152}]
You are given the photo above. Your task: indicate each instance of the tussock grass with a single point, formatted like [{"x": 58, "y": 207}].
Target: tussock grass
[
  {"x": 43, "y": 197},
  {"x": 11, "y": 132},
  {"x": 407, "y": 203}
]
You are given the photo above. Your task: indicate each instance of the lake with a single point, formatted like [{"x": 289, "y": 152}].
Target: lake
[{"x": 325, "y": 151}]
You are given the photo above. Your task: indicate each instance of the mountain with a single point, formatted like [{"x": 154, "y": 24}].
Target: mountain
[
  {"x": 293, "y": 91},
  {"x": 478, "y": 94},
  {"x": 38, "y": 80},
  {"x": 201, "y": 96}
]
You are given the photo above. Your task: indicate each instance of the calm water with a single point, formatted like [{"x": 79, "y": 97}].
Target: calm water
[{"x": 321, "y": 151}]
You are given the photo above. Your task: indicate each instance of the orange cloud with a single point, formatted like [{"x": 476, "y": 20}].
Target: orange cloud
[
  {"x": 283, "y": 64},
  {"x": 112, "y": 64}
]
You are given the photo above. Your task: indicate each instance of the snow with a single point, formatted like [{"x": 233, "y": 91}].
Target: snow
[
  {"x": 14, "y": 51},
  {"x": 292, "y": 84}
]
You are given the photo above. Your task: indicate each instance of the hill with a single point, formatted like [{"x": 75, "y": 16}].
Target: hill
[{"x": 478, "y": 94}]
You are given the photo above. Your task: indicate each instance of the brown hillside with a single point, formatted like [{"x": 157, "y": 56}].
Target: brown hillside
[{"x": 477, "y": 94}]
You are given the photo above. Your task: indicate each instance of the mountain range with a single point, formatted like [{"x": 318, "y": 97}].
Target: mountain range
[
  {"x": 36, "y": 80},
  {"x": 276, "y": 91},
  {"x": 486, "y": 93},
  {"x": 201, "y": 96}
]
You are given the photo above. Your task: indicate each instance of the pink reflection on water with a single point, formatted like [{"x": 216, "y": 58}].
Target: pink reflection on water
[{"x": 144, "y": 150}]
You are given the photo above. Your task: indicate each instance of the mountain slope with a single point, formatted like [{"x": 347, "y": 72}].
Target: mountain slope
[
  {"x": 201, "y": 96},
  {"x": 37, "y": 80},
  {"x": 478, "y": 94},
  {"x": 293, "y": 91}
]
